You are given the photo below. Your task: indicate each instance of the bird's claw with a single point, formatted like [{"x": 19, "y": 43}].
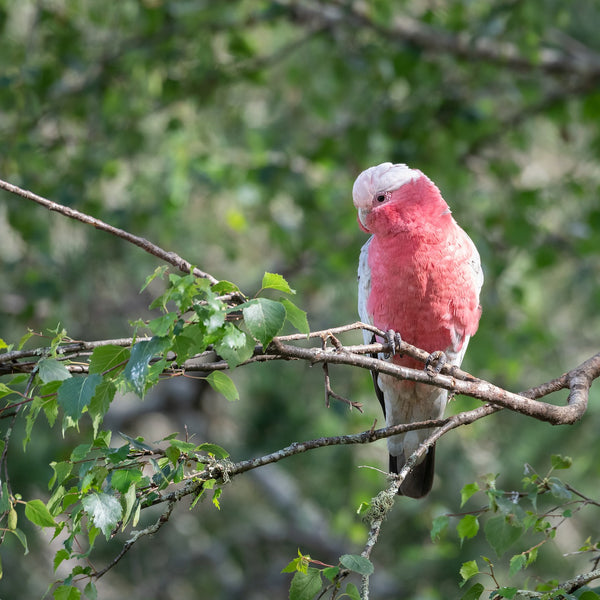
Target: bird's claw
[
  {"x": 394, "y": 340},
  {"x": 435, "y": 363}
]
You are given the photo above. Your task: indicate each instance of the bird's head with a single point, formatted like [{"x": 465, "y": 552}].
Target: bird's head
[{"x": 393, "y": 196}]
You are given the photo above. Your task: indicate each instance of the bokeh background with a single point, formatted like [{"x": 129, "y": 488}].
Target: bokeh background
[{"x": 230, "y": 133}]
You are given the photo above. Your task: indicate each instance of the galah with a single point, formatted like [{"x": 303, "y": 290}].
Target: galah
[{"x": 419, "y": 276}]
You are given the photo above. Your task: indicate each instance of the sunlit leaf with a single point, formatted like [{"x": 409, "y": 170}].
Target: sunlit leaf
[
  {"x": 296, "y": 316},
  {"x": 304, "y": 586},
  {"x": 222, "y": 383},
  {"x": 37, "y": 513},
  {"x": 474, "y": 592},
  {"x": 104, "y": 509},
  {"x": 75, "y": 394},
  {"x": 274, "y": 281},
  {"x": 469, "y": 569},
  {"x": 50, "y": 369},
  {"x": 467, "y": 527},
  {"x": 136, "y": 371},
  {"x": 467, "y": 491},
  {"x": 559, "y": 461},
  {"x": 108, "y": 357},
  {"x": 501, "y": 534},
  {"x": 264, "y": 318},
  {"x": 66, "y": 592}
]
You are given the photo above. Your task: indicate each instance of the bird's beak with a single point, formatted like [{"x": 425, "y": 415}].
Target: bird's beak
[{"x": 362, "y": 219}]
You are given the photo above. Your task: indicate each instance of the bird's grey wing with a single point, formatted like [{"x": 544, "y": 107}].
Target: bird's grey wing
[{"x": 364, "y": 289}]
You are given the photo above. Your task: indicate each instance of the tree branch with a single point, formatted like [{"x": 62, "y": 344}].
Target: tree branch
[
  {"x": 578, "y": 380},
  {"x": 135, "y": 536},
  {"x": 169, "y": 257},
  {"x": 574, "y": 60}
]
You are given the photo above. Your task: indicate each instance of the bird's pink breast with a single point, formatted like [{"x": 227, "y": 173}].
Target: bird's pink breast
[{"x": 423, "y": 288}]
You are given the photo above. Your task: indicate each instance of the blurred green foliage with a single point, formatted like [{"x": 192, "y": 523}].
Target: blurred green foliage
[{"x": 231, "y": 133}]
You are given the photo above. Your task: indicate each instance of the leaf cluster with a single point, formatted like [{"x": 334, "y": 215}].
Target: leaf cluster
[
  {"x": 529, "y": 517},
  {"x": 309, "y": 581},
  {"x": 102, "y": 487}
]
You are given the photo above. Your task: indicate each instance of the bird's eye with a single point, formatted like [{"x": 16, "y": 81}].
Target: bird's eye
[{"x": 380, "y": 197}]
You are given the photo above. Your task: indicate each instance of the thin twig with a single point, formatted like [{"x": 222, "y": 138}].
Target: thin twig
[
  {"x": 136, "y": 535},
  {"x": 169, "y": 257}
]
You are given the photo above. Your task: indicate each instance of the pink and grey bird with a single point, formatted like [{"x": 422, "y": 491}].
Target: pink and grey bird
[{"x": 419, "y": 275}]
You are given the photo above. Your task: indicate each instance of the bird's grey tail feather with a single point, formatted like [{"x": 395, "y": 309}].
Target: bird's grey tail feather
[{"x": 419, "y": 481}]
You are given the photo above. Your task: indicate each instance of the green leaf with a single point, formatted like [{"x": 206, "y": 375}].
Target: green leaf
[
  {"x": 50, "y": 369},
  {"x": 264, "y": 318},
  {"x": 331, "y": 572},
  {"x": 296, "y": 316},
  {"x": 138, "y": 443},
  {"x": 121, "y": 479},
  {"x": 531, "y": 556},
  {"x": 100, "y": 402},
  {"x": 223, "y": 384},
  {"x": 500, "y": 534},
  {"x": 352, "y": 592},
  {"x": 173, "y": 454},
  {"x": 3, "y": 344},
  {"x": 292, "y": 566},
  {"x": 136, "y": 371},
  {"x": 50, "y": 407},
  {"x": 24, "y": 339},
  {"x": 22, "y": 538},
  {"x": 5, "y": 390},
  {"x": 234, "y": 346},
  {"x": 104, "y": 509},
  {"x": 129, "y": 500},
  {"x": 224, "y": 287},
  {"x": 75, "y": 394},
  {"x": 467, "y": 527},
  {"x": 107, "y": 358},
  {"x": 507, "y": 592},
  {"x": 517, "y": 562},
  {"x": 358, "y": 564},
  {"x": 189, "y": 342},
  {"x": 161, "y": 326},
  {"x": 213, "y": 449},
  {"x": 438, "y": 527},
  {"x": 90, "y": 591},
  {"x": 158, "y": 272},
  {"x": 38, "y": 514},
  {"x": 589, "y": 595},
  {"x": 54, "y": 503},
  {"x": 61, "y": 555},
  {"x": 61, "y": 471},
  {"x": 559, "y": 461},
  {"x": 5, "y": 503},
  {"x": 467, "y": 491},
  {"x": 558, "y": 489},
  {"x": 216, "y": 495},
  {"x": 274, "y": 281},
  {"x": 305, "y": 586},
  {"x": 102, "y": 439},
  {"x": 473, "y": 593},
  {"x": 183, "y": 446},
  {"x": 80, "y": 452},
  {"x": 66, "y": 592},
  {"x": 468, "y": 570}
]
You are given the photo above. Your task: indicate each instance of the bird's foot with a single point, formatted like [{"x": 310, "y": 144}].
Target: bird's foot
[
  {"x": 394, "y": 339},
  {"x": 435, "y": 363}
]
